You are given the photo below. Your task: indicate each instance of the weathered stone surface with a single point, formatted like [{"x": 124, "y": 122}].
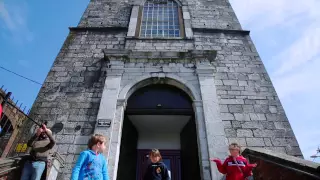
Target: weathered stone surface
[
  {"x": 244, "y": 105},
  {"x": 244, "y": 133},
  {"x": 255, "y": 142}
]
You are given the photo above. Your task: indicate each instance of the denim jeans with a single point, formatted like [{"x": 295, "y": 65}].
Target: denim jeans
[{"x": 33, "y": 170}]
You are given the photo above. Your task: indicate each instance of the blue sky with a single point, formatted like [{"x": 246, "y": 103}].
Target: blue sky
[{"x": 286, "y": 34}]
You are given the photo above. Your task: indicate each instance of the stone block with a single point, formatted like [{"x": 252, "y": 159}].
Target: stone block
[
  {"x": 63, "y": 149},
  {"x": 231, "y": 101},
  {"x": 236, "y": 93},
  {"x": 230, "y": 82},
  {"x": 293, "y": 150},
  {"x": 268, "y": 125},
  {"x": 284, "y": 142},
  {"x": 276, "y": 117},
  {"x": 227, "y": 124},
  {"x": 235, "y": 108},
  {"x": 261, "y": 108},
  {"x": 257, "y": 117},
  {"x": 81, "y": 140},
  {"x": 224, "y": 108},
  {"x": 230, "y": 133},
  {"x": 241, "y": 117},
  {"x": 243, "y": 83},
  {"x": 236, "y": 124},
  {"x": 227, "y": 116},
  {"x": 244, "y": 133},
  {"x": 267, "y": 141},
  {"x": 252, "y": 125},
  {"x": 248, "y": 108},
  {"x": 282, "y": 125},
  {"x": 273, "y": 109},
  {"x": 254, "y": 142},
  {"x": 64, "y": 139}
]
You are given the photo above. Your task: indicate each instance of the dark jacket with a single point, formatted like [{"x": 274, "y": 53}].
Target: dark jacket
[
  {"x": 40, "y": 147},
  {"x": 157, "y": 171}
]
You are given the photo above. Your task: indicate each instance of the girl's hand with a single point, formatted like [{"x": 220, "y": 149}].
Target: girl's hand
[
  {"x": 216, "y": 160},
  {"x": 253, "y": 165}
]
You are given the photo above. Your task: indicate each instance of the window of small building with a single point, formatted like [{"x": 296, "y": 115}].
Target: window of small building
[
  {"x": 161, "y": 19},
  {"x": 6, "y": 127}
]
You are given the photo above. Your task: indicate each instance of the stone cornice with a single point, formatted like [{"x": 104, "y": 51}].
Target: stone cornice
[
  {"x": 225, "y": 31},
  {"x": 195, "y": 55},
  {"x": 203, "y": 30},
  {"x": 97, "y": 29}
]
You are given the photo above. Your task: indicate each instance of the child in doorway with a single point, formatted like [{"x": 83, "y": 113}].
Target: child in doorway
[
  {"x": 236, "y": 167},
  {"x": 157, "y": 170},
  {"x": 91, "y": 163}
]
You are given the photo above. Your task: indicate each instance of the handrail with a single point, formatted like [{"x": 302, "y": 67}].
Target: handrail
[{"x": 10, "y": 169}]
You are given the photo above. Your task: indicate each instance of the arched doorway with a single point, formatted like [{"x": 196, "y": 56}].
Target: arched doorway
[{"x": 159, "y": 116}]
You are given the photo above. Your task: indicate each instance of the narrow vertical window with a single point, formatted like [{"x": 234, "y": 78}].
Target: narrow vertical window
[{"x": 160, "y": 19}]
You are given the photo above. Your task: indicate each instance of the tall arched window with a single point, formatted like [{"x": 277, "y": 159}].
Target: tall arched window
[{"x": 161, "y": 18}]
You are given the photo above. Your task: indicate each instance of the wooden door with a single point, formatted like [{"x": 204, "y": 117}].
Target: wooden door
[{"x": 171, "y": 158}]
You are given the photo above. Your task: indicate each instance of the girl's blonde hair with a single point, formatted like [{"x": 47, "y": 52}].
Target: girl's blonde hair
[
  {"x": 235, "y": 146},
  {"x": 155, "y": 153}
]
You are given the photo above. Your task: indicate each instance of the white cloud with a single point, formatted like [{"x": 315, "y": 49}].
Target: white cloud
[
  {"x": 293, "y": 28},
  {"x": 261, "y": 14},
  {"x": 13, "y": 22}
]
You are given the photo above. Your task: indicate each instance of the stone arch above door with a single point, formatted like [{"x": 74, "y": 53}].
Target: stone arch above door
[{"x": 155, "y": 78}]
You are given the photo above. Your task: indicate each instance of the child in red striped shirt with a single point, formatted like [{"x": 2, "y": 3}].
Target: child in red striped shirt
[{"x": 236, "y": 167}]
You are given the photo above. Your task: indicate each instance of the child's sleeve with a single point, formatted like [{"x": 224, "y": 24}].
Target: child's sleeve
[
  {"x": 105, "y": 170},
  {"x": 76, "y": 170},
  {"x": 248, "y": 168},
  {"x": 166, "y": 175},
  {"x": 222, "y": 167}
]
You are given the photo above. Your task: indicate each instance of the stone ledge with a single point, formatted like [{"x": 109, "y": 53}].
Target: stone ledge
[
  {"x": 226, "y": 31},
  {"x": 283, "y": 160},
  {"x": 159, "y": 39},
  {"x": 98, "y": 29},
  {"x": 128, "y": 54}
]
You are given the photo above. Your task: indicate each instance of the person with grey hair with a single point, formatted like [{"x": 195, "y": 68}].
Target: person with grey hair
[{"x": 41, "y": 144}]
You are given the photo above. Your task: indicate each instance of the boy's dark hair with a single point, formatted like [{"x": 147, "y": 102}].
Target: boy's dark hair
[{"x": 95, "y": 139}]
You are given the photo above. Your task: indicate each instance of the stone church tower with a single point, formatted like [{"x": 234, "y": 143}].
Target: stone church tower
[{"x": 178, "y": 75}]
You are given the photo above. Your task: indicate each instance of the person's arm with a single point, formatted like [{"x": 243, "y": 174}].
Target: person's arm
[
  {"x": 222, "y": 168},
  {"x": 31, "y": 140},
  {"x": 248, "y": 168},
  {"x": 52, "y": 141},
  {"x": 76, "y": 170},
  {"x": 105, "y": 169},
  {"x": 166, "y": 175}
]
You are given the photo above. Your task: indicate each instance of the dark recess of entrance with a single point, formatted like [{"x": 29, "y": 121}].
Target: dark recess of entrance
[{"x": 159, "y": 100}]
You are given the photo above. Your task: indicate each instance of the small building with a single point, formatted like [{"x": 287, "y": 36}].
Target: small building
[{"x": 10, "y": 122}]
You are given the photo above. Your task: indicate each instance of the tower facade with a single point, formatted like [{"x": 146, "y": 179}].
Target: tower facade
[{"x": 178, "y": 75}]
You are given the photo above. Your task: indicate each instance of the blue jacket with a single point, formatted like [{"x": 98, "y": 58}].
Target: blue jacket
[{"x": 90, "y": 166}]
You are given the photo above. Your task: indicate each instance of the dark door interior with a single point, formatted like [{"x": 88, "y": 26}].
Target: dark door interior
[
  {"x": 169, "y": 157},
  {"x": 128, "y": 152},
  {"x": 189, "y": 152}
]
